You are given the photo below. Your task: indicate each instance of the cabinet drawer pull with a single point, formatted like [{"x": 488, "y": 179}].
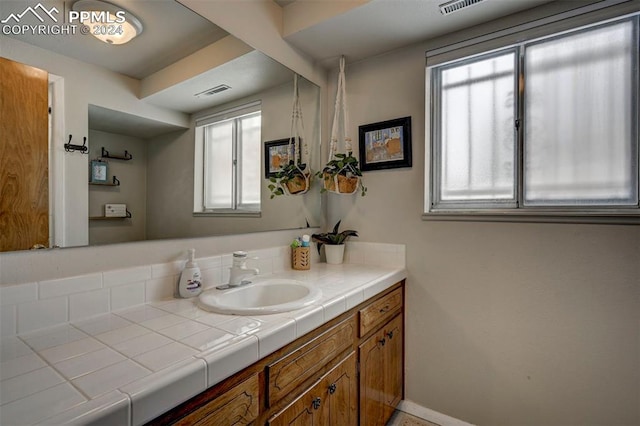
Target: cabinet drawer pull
[
  {"x": 390, "y": 335},
  {"x": 332, "y": 388},
  {"x": 385, "y": 309},
  {"x": 316, "y": 402},
  {"x": 382, "y": 341}
]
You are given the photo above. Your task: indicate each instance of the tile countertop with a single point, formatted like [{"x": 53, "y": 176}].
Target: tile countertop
[{"x": 130, "y": 366}]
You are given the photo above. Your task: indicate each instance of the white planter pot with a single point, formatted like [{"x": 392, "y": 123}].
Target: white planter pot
[{"x": 334, "y": 253}]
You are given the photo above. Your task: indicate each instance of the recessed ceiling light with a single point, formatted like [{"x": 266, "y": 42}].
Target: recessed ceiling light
[{"x": 107, "y": 22}]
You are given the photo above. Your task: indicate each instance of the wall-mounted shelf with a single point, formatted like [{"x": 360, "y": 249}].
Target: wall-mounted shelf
[
  {"x": 128, "y": 216},
  {"x": 114, "y": 182},
  {"x": 126, "y": 156}
]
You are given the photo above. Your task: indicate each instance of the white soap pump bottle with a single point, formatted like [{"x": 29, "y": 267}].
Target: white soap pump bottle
[{"x": 190, "y": 285}]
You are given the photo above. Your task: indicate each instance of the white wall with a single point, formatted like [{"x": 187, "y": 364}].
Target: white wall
[
  {"x": 84, "y": 84},
  {"x": 132, "y": 191},
  {"x": 171, "y": 173},
  {"x": 507, "y": 323}
]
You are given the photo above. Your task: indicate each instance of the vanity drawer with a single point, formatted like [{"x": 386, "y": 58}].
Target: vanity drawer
[
  {"x": 287, "y": 373},
  {"x": 379, "y": 311},
  {"x": 238, "y": 406}
]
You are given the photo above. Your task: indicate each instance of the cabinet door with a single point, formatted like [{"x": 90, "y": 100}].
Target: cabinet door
[
  {"x": 393, "y": 352},
  {"x": 331, "y": 401},
  {"x": 381, "y": 373},
  {"x": 341, "y": 394}
]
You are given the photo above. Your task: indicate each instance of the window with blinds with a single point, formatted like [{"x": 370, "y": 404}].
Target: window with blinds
[
  {"x": 546, "y": 124},
  {"x": 228, "y": 162}
]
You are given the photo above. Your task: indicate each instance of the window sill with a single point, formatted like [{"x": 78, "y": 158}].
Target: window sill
[
  {"x": 615, "y": 217},
  {"x": 228, "y": 213}
]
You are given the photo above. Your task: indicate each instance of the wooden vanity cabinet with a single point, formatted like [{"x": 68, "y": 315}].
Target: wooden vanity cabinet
[
  {"x": 348, "y": 371},
  {"x": 332, "y": 400},
  {"x": 381, "y": 375}
]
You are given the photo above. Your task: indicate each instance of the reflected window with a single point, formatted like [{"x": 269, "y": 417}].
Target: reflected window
[{"x": 228, "y": 145}]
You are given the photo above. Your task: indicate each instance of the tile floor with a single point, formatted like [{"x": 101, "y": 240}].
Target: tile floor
[{"x": 401, "y": 418}]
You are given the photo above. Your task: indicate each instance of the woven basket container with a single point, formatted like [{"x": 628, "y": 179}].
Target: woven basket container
[
  {"x": 341, "y": 184},
  {"x": 298, "y": 185},
  {"x": 301, "y": 258}
]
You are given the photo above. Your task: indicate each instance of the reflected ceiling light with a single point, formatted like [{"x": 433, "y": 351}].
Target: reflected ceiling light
[{"x": 107, "y": 22}]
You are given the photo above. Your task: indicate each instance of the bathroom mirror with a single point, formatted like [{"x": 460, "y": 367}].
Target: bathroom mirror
[{"x": 146, "y": 110}]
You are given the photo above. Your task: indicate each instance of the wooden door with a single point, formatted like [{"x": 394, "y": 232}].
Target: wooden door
[
  {"x": 24, "y": 156},
  {"x": 393, "y": 365},
  {"x": 381, "y": 378},
  {"x": 341, "y": 394},
  {"x": 304, "y": 411},
  {"x": 372, "y": 380}
]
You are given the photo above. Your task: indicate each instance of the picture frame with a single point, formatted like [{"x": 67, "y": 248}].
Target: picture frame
[
  {"x": 385, "y": 145},
  {"x": 99, "y": 171},
  {"x": 276, "y": 155}
]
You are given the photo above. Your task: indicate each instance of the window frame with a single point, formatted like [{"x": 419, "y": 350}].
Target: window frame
[
  {"x": 201, "y": 146},
  {"x": 435, "y": 209}
]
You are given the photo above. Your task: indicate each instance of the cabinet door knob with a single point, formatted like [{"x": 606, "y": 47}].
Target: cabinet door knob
[
  {"x": 316, "y": 402},
  {"x": 382, "y": 341},
  {"x": 332, "y": 388},
  {"x": 390, "y": 335}
]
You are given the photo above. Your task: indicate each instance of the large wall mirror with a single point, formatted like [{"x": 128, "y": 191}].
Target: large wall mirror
[{"x": 140, "y": 101}]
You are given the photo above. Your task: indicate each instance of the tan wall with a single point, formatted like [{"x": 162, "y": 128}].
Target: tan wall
[{"x": 507, "y": 323}]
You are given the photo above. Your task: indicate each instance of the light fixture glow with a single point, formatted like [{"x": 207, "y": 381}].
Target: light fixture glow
[{"x": 107, "y": 22}]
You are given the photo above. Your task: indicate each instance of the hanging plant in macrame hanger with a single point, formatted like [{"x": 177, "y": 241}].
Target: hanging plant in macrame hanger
[
  {"x": 341, "y": 174},
  {"x": 294, "y": 178}
]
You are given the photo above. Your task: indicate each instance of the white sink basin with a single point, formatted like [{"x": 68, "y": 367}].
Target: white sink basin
[{"x": 264, "y": 297}]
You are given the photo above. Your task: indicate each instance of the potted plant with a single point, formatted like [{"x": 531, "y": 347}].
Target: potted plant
[
  {"x": 290, "y": 179},
  {"x": 333, "y": 243},
  {"x": 342, "y": 175}
]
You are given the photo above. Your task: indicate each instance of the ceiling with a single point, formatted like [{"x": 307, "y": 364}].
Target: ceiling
[
  {"x": 178, "y": 42},
  {"x": 379, "y": 26}
]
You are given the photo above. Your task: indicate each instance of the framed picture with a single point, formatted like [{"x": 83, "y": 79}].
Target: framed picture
[
  {"x": 385, "y": 145},
  {"x": 98, "y": 171},
  {"x": 276, "y": 155}
]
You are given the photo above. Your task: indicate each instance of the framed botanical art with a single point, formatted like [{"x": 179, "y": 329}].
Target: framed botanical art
[{"x": 385, "y": 145}]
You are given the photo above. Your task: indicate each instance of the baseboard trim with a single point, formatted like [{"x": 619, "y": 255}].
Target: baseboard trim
[{"x": 430, "y": 415}]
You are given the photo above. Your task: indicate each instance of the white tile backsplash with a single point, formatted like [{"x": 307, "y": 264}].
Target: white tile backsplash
[
  {"x": 125, "y": 296},
  {"x": 66, "y": 286},
  {"x": 160, "y": 288},
  {"x": 22, "y": 293},
  {"x": 32, "y": 306},
  {"x": 125, "y": 276},
  {"x": 88, "y": 304}
]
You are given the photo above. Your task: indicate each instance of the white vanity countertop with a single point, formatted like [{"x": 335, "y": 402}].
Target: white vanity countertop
[{"x": 130, "y": 366}]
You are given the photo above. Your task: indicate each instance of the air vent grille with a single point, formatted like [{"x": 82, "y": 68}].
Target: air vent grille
[
  {"x": 213, "y": 90},
  {"x": 456, "y": 5}
]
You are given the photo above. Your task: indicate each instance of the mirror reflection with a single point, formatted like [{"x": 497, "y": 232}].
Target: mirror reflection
[{"x": 139, "y": 107}]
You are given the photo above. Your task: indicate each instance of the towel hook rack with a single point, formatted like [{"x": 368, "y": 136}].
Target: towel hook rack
[{"x": 69, "y": 147}]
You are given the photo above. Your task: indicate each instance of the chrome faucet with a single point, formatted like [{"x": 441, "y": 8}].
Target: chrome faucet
[{"x": 239, "y": 270}]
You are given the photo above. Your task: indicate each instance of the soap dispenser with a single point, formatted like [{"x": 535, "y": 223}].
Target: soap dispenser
[{"x": 190, "y": 285}]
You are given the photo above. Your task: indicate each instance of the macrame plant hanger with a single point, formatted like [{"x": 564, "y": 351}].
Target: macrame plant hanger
[
  {"x": 298, "y": 147},
  {"x": 341, "y": 184}
]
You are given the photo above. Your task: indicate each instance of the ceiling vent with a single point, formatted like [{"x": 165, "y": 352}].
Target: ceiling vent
[
  {"x": 456, "y": 5},
  {"x": 213, "y": 90}
]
